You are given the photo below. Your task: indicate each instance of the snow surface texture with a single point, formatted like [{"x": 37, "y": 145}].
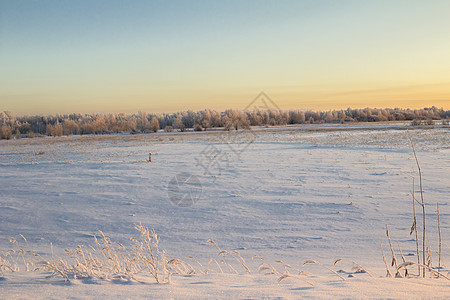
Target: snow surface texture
[{"x": 290, "y": 194}]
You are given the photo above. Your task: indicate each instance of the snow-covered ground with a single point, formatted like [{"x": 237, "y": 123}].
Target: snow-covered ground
[{"x": 287, "y": 194}]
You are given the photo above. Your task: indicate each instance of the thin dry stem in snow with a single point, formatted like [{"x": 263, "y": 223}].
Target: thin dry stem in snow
[
  {"x": 410, "y": 263},
  {"x": 318, "y": 263},
  {"x": 388, "y": 272},
  {"x": 241, "y": 261},
  {"x": 429, "y": 256},
  {"x": 201, "y": 266},
  {"x": 293, "y": 276},
  {"x": 439, "y": 233},
  {"x": 403, "y": 258},
  {"x": 288, "y": 267},
  {"x": 394, "y": 259},
  {"x": 360, "y": 268},
  {"x": 224, "y": 253},
  {"x": 414, "y": 226},
  {"x": 213, "y": 259},
  {"x": 263, "y": 266},
  {"x": 422, "y": 202}
]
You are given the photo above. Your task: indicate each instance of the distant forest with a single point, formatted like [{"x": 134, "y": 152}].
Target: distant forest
[{"x": 57, "y": 125}]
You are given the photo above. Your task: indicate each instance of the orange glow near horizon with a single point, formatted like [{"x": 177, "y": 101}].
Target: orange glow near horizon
[{"x": 414, "y": 97}]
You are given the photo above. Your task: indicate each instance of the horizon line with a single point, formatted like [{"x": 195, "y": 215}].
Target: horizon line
[{"x": 222, "y": 111}]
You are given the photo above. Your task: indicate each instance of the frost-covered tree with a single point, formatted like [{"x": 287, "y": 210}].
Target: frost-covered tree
[
  {"x": 228, "y": 119},
  {"x": 70, "y": 127},
  {"x": 179, "y": 123},
  {"x": 155, "y": 124},
  {"x": 55, "y": 129},
  {"x": 5, "y": 132}
]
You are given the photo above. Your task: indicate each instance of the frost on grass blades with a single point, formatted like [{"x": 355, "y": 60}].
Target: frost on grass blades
[
  {"x": 144, "y": 259},
  {"x": 103, "y": 260}
]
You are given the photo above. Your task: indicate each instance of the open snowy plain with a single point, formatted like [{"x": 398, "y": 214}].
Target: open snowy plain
[{"x": 278, "y": 196}]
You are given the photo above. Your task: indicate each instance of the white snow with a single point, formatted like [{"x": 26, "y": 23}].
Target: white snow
[{"x": 290, "y": 194}]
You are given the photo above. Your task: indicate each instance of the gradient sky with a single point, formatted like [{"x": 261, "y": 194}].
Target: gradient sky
[{"x": 166, "y": 56}]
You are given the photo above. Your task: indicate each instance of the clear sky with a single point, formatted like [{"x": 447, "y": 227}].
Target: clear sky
[{"x": 164, "y": 56}]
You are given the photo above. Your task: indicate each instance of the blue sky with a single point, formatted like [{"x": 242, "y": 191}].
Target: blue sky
[{"x": 164, "y": 56}]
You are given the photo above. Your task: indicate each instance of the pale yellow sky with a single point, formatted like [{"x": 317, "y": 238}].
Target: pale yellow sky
[
  {"x": 286, "y": 98},
  {"x": 153, "y": 56}
]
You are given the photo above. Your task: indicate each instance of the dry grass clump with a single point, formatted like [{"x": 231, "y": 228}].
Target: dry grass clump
[
  {"x": 424, "y": 257},
  {"x": 15, "y": 260},
  {"x": 235, "y": 255},
  {"x": 106, "y": 260},
  {"x": 280, "y": 268},
  {"x": 103, "y": 260}
]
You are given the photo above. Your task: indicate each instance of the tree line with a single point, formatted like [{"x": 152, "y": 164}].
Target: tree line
[{"x": 231, "y": 119}]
